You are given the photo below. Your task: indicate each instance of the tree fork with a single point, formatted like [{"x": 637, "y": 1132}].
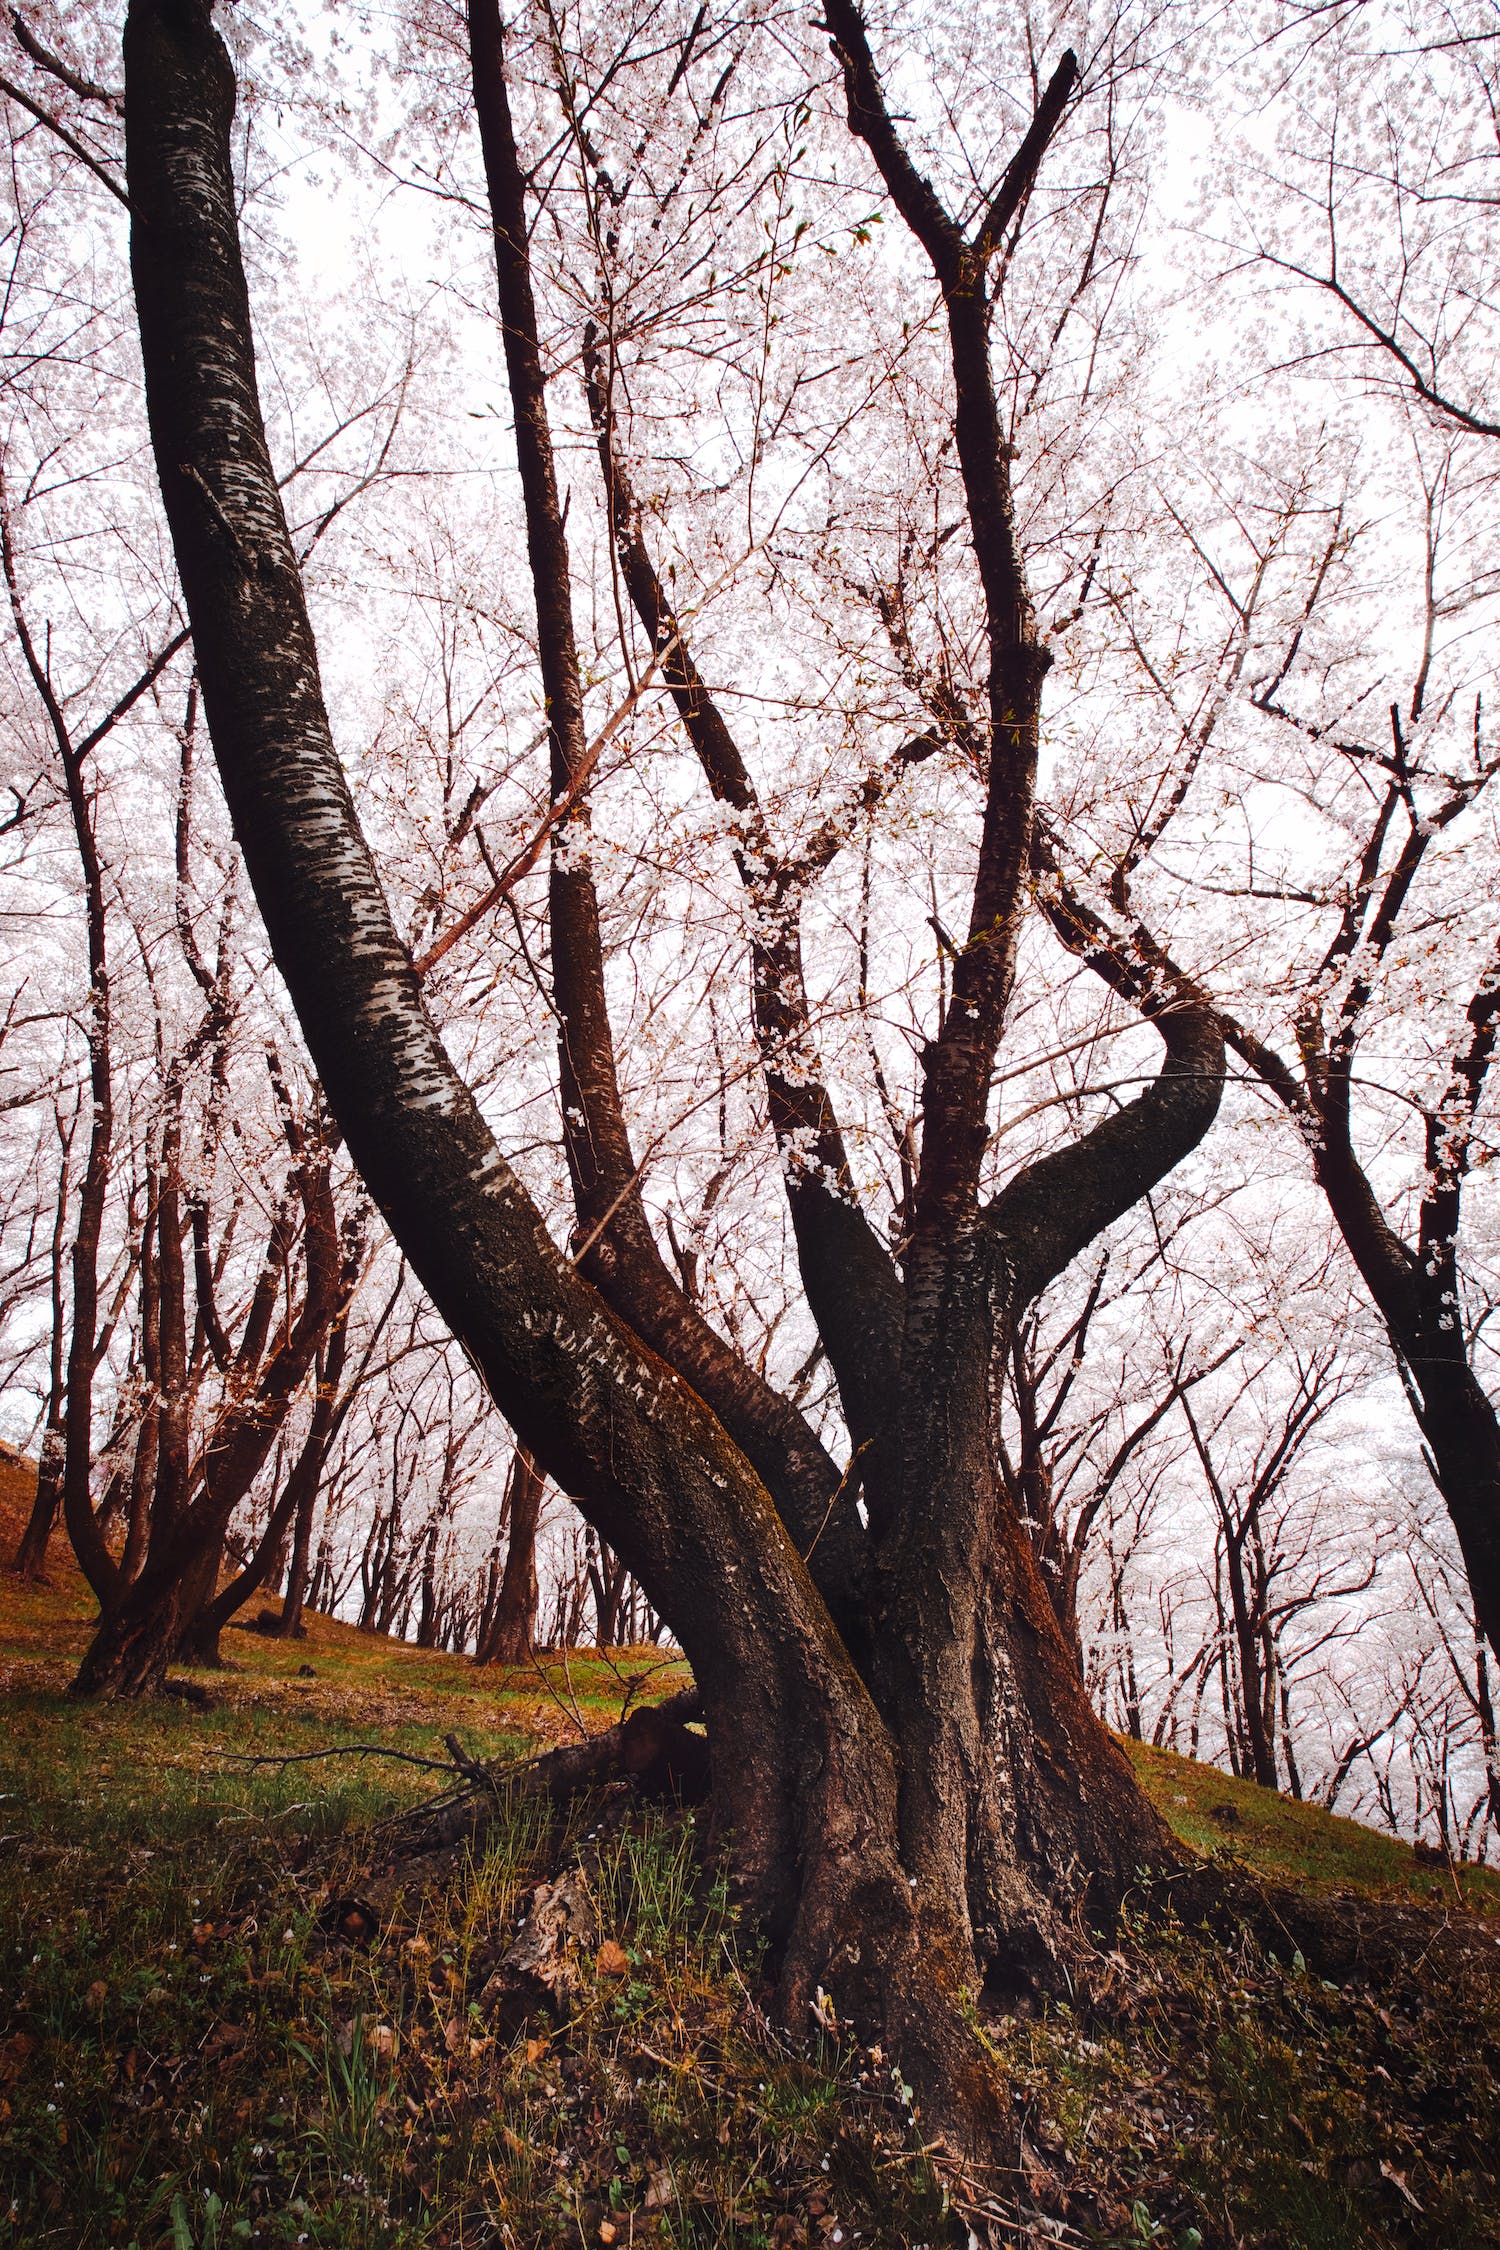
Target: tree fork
[
  {"x": 810, "y": 1791},
  {"x": 623, "y": 1260}
]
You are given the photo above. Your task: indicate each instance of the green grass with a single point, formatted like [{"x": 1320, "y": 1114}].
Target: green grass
[
  {"x": 188, "y": 2057},
  {"x": 1221, "y": 2096},
  {"x": 1301, "y": 1844}
]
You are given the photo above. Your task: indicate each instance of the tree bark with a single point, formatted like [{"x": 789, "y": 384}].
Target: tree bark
[
  {"x": 294, "y": 1506},
  {"x": 897, "y": 1832},
  {"x": 510, "y": 1630},
  {"x": 31, "y": 1554},
  {"x": 143, "y": 1623}
]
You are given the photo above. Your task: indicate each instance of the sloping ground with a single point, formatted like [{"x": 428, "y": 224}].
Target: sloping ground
[
  {"x": 337, "y": 1676},
  {"x": 372, "y": 1681},
  {"x": 1286, "y": 1842},
  {"x": 191, "y": 2055}
]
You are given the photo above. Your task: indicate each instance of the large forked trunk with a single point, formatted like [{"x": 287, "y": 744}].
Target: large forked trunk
[
  {"x": 171, "y": 1605},
  {"x": 910, "y": 1788},
  {"x": 291, "y": 1514},
  {"x": 811, "y": 1788}
]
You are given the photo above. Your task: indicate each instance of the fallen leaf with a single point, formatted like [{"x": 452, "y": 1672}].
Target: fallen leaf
[
  {"x": 612, "y": 1960},
  {"x": 1398, "y": 2180}
]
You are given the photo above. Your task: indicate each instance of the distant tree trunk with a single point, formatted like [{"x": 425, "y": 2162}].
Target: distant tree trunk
[
  {"x": 31, "y": 1554},
  {"x": 272, "y": 1549},
  {"x": 94, "y": 1557},
  {"x": 1288, "y": 1749},
  {"x": 321, "y": 1592},
  {"x": 608, "y": 1581},
  {"x": 1250, "y": 1699},
  {"x": 289, "y": 1626},
  {"x": 294, "y": 1505},
  {"x": 1416, "y": 1284},
  {"x": 143, "y": 1624},
  {"x": 427, "y": 1613},
  {"x": 389, "y": 1578},
  {"x": 486, "y": 1594},
  {"x": 511, "y": 1629}
]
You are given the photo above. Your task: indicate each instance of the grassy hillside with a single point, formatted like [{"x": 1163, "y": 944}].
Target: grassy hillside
[{"x": 192, "y": 2055}]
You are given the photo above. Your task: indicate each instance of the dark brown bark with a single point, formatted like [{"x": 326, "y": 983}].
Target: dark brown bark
[
  {"x": 31, "y": 1554},
  {"x": 621, "y": 1255},
  {"x": 920, "y": 1366},
  {"x": 509, "y": 1632},
  {"x": 895, "y": 1834},
  {"x": 812, "y": 1790},
  {"x": 145, "y": 1623},
  {"x": 427, "y": 1615}
]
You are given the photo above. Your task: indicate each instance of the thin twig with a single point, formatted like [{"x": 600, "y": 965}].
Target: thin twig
[
  {"x": 338, "y": 1750},
  {"x": 572, "y": 1713}
]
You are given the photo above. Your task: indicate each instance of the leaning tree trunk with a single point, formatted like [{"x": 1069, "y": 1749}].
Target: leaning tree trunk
[
  {"x": 870, "y": 1812},
  {"x": 291, "y": 1512}
]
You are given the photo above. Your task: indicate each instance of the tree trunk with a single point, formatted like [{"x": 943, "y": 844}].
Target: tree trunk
[
  {"x": 1462, "y": 1432},
  {"x": 31, "y": 1554},
  {"x": 897, "y": 1834},
  {"x": 427, "y": 1613},
  {"x": 131, "y": 1658},
  {"x": 1416, "y": 1290},
  {"x": 294, "y": 1504},
  {"x": 198, "y": 1637},
  {"x": 289, "y": 1626},
  {"x": 192, "y": 1503},
  {"x": 510, "y": 1630},
  {"x": 608, "y": 1579}
]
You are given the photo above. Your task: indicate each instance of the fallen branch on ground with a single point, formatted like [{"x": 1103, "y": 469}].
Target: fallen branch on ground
[
  {"x": 350, "y": 1750},
  {"x": 650, "y": 1745}
]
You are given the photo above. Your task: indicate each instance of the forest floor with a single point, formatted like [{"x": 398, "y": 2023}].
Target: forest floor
[{"x": 194, "y": 2055}]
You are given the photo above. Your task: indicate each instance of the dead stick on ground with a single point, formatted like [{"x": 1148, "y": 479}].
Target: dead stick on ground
[
  {"x": 346, "y": 1750},
  {"x": 483, "y": 1776}
]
